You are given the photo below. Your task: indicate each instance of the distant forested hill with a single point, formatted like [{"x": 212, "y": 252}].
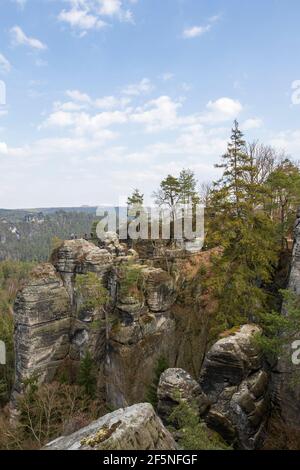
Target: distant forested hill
[{"x": 28, "y": 235}]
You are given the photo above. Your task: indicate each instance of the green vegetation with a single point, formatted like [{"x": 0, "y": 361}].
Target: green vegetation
[
  {"x": 130, "y": 279},
  {"x": 250, "y": 221},
  {"x": 27, "y": 239},
  {"x": 161, "y": 365},
  {"x": 193, "y": 433},
  {"x": 279, "y": 329},
  {"x": 247, "y": 235},
  {"x": 87, "y": 375},
  {"x": 90, "y": 287},
  {"x": 173, "y": 190},
  {"x": 136, "y": 199}
]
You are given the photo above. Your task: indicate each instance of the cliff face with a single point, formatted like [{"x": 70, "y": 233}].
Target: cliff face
[
  {"x": 142, "y": 333},
  {"x": 286, "y": 376},
  {"x": 138, "y": 328},
  {"x": 43, "y": 322}
]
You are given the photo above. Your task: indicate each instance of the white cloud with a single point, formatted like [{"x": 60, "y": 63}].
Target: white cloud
[
  {"x": 158, "y": 114},
  {"x": 252, "y": 123},
  {"x": 288, "y": 140},
  {"x": 77, "y": 95},
  {"x": 198, "y": 30},
  {"x": 222, "y": 109},
  {"x": 111, "y": 102},
  {"x": 81, "y": 115},
  {"x": 195, "y": 31},
  {"x": 100, "y": 141},
  {"x": 81, "y": 19},
  {"x": 142, "y": 87},
  {"x": 19, "y": 38},
  {"x": 4, "y": 64},
  {"x": 110, "y": 7},
  {"x": 88, "y": 15},
  {"x": 3, "y": 148},
  {"x": 106, "y": 102}
]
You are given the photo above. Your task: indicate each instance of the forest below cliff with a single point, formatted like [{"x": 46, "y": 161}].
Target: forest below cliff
[{"x": 27, "y": 235}]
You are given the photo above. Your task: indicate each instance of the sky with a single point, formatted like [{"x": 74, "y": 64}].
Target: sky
[{"x": 98, "y": 97}]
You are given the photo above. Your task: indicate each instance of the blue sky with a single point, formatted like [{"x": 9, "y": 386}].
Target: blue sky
[{"x": 106, "y": 95}]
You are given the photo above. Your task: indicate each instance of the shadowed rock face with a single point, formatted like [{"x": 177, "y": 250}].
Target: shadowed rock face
[
  {"x": 133, "y": 428},
  {"x": 286, "y": 376},
  {"x": 237, "y": 386},
  {"x": 175, "y": 386}
]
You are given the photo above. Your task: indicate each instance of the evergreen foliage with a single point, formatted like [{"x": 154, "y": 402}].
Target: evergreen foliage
[
  {"x": 161, "y": 365},
  {"x": 193, "y": 433}
]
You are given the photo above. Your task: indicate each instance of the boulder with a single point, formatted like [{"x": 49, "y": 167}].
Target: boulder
[
  {"x": 133, "y": 428},
  {"x": 234, "y": 380},
  {"x": 176, "y": 386}
]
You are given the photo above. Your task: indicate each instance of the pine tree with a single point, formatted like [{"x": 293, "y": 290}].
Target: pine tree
[
  {"x": 237, "y": 223},
  {"x": 86, "y": 376},
  {"x": 136, "y": 199},
  {"x": 283, "y": 197},
  {"x": 188, "y": 192}
]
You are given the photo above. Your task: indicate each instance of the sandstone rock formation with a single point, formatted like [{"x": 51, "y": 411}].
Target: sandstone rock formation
[
  {"x": 234, "y": 380},
  {"x": 176, "y": 385},
  {"x": 286, "y": 375},
  {"x": 52, "y": 325},
  {"x": 142, "y": 332},
  {"x": 42, "y": 325},
  {"x": 133, "y": 428}
]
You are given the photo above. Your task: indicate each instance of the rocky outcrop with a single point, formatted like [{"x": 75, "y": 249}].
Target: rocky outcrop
[
  {"x": 235, "y": 382},
  {"x": 80, "y": 257},
  {"x": 286, "y": 374},
  {"x": 133, "y": 428},
  {"x": 141, "y": 333},
  {"x": 176, "y": 386},
  {"x": 42, "y": 325},
  {"x": 125, "y": 340}
]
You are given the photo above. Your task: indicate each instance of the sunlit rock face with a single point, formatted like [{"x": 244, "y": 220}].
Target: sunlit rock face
[
  {"x": 236, "y": 384},
  {"x": 133, "y": 428}
]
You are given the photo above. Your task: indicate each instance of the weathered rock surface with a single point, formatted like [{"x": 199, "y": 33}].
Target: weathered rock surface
[
  {"x": 53, "y": 324},
  {"x": 176, "y": 385},
  {"x": 49, "y": 325},
  {"x": 42, "y": 325},
  {"x": 142, "y": 332},
  {"x": 286, "y": 376},
  {"x": 133, "y": 428},
  {"x": 235, "y": 382}
]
